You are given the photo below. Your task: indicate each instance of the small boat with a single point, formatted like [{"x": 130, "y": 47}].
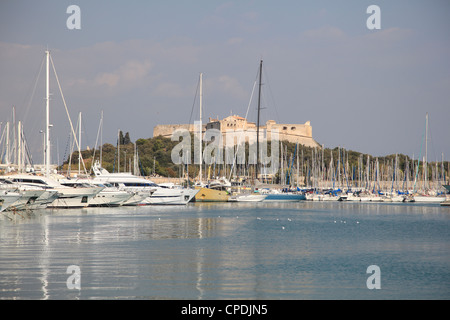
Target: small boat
[
  {"x": 250, "y": 197},
  {"x": 428, "y": 198},
  {"x": 284, "y": 197},
  {"x": 447, "y": 197},
  {"x": 211, "y": 195},
  {"x": 446, "y": 202},
  {"x": 214, "y": 191},
  {"x": 167, "y": 196}
]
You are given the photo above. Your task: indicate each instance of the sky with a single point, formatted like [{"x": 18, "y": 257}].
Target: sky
[{"x": 138, "y": 62}]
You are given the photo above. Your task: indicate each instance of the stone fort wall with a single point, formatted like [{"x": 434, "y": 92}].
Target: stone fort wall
[{"x": 295, "y": 133}]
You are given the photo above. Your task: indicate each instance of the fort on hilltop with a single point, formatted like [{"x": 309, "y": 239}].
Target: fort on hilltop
[{"x": 295, "y": 133}]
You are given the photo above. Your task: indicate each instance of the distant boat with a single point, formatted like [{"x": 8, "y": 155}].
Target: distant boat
[
  {"x": 249, "y": 198},
  {"x": 211, "y": 195},
  {"x": 284, "y": 197},
  {"x": 214, "y": 191},
  {"x": 428, "y": 198}
]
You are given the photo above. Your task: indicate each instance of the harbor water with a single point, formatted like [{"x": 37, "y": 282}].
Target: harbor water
[{"x": 288, "y": 251}]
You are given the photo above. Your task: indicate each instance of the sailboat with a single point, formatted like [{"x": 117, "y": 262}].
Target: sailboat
[
  {"x": 447, "y": 197},
  {"x": 271, "y": 195},
  {"x": 110, "y": 196},
  {"x": 67, "y": 197},
  {"x": 426, "y": 195},
  {"x": 214, "y": 191}
]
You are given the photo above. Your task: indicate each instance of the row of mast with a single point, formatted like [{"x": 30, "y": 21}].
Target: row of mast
[{"x": 314, "y": 166}]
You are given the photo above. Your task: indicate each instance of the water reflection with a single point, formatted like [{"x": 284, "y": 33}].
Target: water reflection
[{"x": 219, "y": 251}]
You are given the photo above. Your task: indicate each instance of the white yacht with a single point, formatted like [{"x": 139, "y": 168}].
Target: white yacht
[
  {"x": 32, "y": 197},
  {"x": 7, "y": 198},
  {"x": 109, "y": 196},
  {"x": 174, "y": 196},
  {"x": 428, "y": 198},
  {"x": 248, "y": 198},
  {"x": 154, "y": 194},
  {"x": 68, "y": 197}
]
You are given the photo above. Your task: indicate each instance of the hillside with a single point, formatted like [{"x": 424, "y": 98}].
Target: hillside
[{"x": 154, "y": 156}]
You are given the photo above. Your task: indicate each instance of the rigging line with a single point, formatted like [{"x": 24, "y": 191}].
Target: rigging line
[
  {"x": 27, "y": 150},
  {"x": 67, "y": 112},
  {"x": 72, "y": 148},
  {"x": 271, "y": 95},
  {"x": 34, "y": 88},
  {"x": 246, "y": 115},
  {"x": 418, "y": 161},
  {"x": 88, "y": 142},
  {"x": 100, "y": 127},
  {"x": 67, "y": 147},
  {"x": 431, "y": 140},
  {"x": 193, "y": 104}
]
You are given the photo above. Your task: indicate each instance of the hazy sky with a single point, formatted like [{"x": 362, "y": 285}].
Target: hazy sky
[{"x": 139, "y": 62}]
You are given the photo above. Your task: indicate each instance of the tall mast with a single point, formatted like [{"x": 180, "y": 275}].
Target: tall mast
[
  {"x": 257, "y": 124},
  {"x": 101, "y": 138},
  {"x": 118, "y": 151},
  {"x": 201, "y": 138},
  {"x": 79, "y": 143},
  {"x": 47, "y": 117},
  {"x": 19, "y": 146},
  {"x": 7, "y": 143},
  {"x": 426, "y": 151}
]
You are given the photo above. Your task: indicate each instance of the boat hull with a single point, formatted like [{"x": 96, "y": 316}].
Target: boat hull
[
  {"x": 251, "y": 198},
  {"x": 110, "y": 198},
  {"x": 284, "y": 197},
  {"x": 211, "y": 195},
  {"x": 171, "y": 197},
  {"x": 74, "y": 197},
  {"x": 429, "y": 199},
  {"x": 7, "y": 198},
  {"x": 27, "y": 200}
]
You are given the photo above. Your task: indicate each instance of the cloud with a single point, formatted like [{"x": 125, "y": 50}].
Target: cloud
[
  {"x": 168, "y": 89},
  {"x": 325, "y": 33},
  {"x": 389, "y": 35},
  {"x": 235, "y": 41},
  {"x": 227, "y": 85},
  {"x": 132, "y": 73}
]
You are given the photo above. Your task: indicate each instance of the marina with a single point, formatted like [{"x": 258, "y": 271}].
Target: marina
[
  {"x": 159, "y": 161},
  {"x": 291, "y": 181}
]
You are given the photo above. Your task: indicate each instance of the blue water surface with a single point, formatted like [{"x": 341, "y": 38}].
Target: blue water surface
[{"x": 289, "y": 251}]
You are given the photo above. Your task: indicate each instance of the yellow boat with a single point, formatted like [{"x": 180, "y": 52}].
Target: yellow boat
[{"x": 211, "y": 195}]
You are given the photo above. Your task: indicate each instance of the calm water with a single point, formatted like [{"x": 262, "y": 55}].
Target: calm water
[{"x": 306, "y": 250}]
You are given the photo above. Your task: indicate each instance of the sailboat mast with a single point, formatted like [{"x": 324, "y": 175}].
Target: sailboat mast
[
  {"x": 200, "y": 126},
  {"x": 47, "y": 116},
  {"x": 257, "y": 125},
  {"x": 79, "y": 143},
  {"x": 101, "y": 138},
  {"x": 426, "y": 151},
  {"x": 118, "y": 151}
]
